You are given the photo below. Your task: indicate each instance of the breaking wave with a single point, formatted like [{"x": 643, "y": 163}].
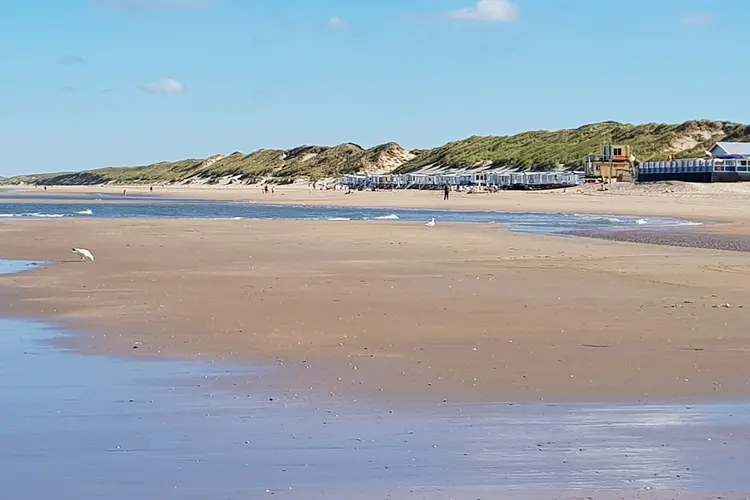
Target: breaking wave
[{"x": 41, "y": 215}]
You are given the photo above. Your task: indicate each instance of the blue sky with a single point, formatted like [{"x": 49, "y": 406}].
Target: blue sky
[{"x": 90, "y": 83}]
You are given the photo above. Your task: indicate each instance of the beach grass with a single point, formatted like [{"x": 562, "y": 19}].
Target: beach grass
[{"x": 535, "y": 150}]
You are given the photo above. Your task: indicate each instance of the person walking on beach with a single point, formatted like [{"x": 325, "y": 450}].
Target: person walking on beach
[{"x": 446, "y": 192}]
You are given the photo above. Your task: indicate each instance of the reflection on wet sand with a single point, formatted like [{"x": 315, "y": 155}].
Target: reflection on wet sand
[{"x": 88, "y": 427}]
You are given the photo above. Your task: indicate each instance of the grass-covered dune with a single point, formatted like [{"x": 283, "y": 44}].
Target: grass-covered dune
[{"x": 536, "y": 150}]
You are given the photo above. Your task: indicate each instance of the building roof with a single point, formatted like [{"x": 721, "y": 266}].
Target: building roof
[{"x": 733, "y": 148}]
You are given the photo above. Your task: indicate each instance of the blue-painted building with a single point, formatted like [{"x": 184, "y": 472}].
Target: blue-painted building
[{"x": 724, "y": 162}]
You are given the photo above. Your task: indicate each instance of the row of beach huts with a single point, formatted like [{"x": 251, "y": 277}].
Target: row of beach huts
[
  {"x": 465, "y": 180},
  {"x": 724, "y": 162}
]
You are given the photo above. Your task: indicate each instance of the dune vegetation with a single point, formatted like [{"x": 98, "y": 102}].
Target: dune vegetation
[{"x": 536, "y": 150}]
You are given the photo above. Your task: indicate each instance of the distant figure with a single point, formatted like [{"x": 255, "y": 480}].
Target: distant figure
[
  {"x": 151, "y": 189},
  {"x": 123, "y": 192},
  {"x": 45, "y": 188},
  {"x": 85, "y": 254},
  {"x": 431, "y": 223},
  {"x": 273, "y": 189},
  {"x": 265, "y": 189},
  {"x": 446, "y": 192}
]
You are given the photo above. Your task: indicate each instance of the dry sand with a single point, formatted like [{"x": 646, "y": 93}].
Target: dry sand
[{"x": 456, "y": 312}]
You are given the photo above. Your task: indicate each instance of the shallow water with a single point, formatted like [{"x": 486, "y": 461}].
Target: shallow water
[
  {"x": 171, "y": 208},
  {"x": 17, "y": 266},
  {"x": 90, "y": 427}
]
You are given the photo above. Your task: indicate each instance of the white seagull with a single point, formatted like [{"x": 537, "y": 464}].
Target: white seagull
[
  {"x": 431, "y": 223},
  {"x": 85, "y": 254}
]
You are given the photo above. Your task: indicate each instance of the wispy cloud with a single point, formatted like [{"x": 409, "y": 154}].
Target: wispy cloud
[
  {"x": 69, "y": 60},
  {"x": 498, "y": 11},
  {"x": 147, "y": 6},
  {"x": 164, "y": 86},
  {"x": 697, "y": 19},
  {"x": 337, "y": 23}
]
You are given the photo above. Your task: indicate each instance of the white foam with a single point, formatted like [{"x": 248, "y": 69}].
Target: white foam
[
  {"x": 88, "y": 211},
  {"x": 387, "y": 217},
  {"x": 641, "y": 221},
  {"x": 35, "y": 214},
  {"x": 339, "y": 218},
  {"x": 597, "y": 217}
]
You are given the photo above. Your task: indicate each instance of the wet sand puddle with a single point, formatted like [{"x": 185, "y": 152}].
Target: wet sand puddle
[{"x": 90, "y": 427}]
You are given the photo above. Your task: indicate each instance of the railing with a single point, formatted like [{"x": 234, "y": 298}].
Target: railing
[{"x": 677, "y": 167}]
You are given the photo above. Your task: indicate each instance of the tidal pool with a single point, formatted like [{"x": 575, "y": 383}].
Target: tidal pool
[{"x": 90, "y": 427}]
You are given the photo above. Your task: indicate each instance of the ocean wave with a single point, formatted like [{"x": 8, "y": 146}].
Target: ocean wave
[
  {"x": 339, "y": 218},
  {"x": 599, "y": 217},
  {"x": 387, "y": 217},
  {"x": 641, "y": 221},
  {"x": 40, "y": 215}
]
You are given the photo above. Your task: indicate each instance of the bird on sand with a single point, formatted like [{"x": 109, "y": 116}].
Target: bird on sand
[
  {"x": 85, "y": 254},
  {"x": 431, "y": 223}
]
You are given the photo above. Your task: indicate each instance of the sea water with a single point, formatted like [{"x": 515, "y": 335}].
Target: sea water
[
  {"x": 536, "y": 222},
  {"x": 89, "y": 427}
]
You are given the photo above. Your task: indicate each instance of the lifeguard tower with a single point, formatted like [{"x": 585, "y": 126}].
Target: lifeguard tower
[{"x": 615, "y": 164}]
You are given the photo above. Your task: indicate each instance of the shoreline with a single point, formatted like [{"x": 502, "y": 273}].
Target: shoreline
[
  {"x": 706, "y": 234},
  {"x": 698, "y": 203},
  {"x": 461, "y": 313}
]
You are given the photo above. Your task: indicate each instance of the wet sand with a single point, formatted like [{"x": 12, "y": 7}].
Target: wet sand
[
  {"x": 397, "y": 311},
  {"x": 103, "y": 427},
  {"x": 707, "y": 238}
]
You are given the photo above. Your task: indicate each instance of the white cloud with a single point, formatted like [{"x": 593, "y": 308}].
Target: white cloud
[
  {"x": 697, "y": 19},
  {"x": 498, "y": 11},
  {"x": 337, "y": 23},
  {"x": 140, "y": 6},
  {"x": 164, "y": 86}
]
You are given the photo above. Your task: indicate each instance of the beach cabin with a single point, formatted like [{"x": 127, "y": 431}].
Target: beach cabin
[
  {"x": 479, "y": 179},
  {"x": 353, "y": 181},
  {"x": 731, "y": 161},
  {"x": 729, "y": 149}
]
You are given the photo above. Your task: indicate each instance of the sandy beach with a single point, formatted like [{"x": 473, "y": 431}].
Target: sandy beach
[
  {"x": 397, "y": 310},
  {"x": 698, "y": 202}
]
